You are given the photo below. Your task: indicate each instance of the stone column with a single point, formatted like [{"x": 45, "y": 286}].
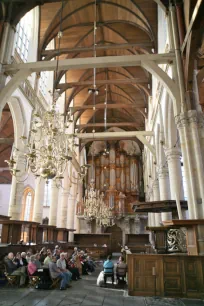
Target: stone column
[
  {"x": 173, "y": 156},
  {"x": 137, "y": 224},
  {"x": 156, "y": 197},
  {"x": 54, "y": 203},
  {"x": 112, "y": 168},
  {"x": 79, "y": 198},
  {"x": 66, "y": 184},
  {"x": 182, "y": 125},
  {"x": 70, "y": 215},
  {"x": 17, "y": 187},
  {"x": 126, "y": 228},
  {"x": 71, "y": 209},
  {"x": 15, "y": 202},
  {"x": 38, "y": 200},
  {"x": 164, "y": 189},
  {"x": 196, "y": 156}
]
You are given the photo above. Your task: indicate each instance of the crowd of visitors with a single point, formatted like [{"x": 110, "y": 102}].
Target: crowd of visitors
[{"x": 48, "y": 265}]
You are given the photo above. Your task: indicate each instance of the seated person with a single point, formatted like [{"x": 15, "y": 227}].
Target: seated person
[
  {"x": 61, "y": 264},
  {"x": 57, "y": 253},
  {"x": 12, "y": 268},
  {"x": 83, "y": 260},
  {"x": 91, "y": 264},
  {"x": 32, "y": 268},
  {"x": 77, "y": 263},
  {"x": 37, "y": 261},
  {"x": 121, "y": 269},
  {"x": 57, "y": 248},
  {"x": 47, "y": 259},
  {"x": 75, "y": 252},
  {"x": 18, "y": 260},
  {"x": 70, "y": 265},
  {"x": 108, "y": 268},
  {"x": 43, "y": 254},
  {"x": 24, "y": 260},
  {"x": 28, "y": 256},
  {"x": 55, "y": 272}
]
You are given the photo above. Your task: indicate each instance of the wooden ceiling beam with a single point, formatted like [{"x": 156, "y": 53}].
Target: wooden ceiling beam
[
  {"x": 55, "y": 52},
  {"x": 102, "y": 124},
  {"x": 6, "y": 141},
  {"x": 65, "y": 86},
  {"x": 102, "y": 106},
  {"x": 91, "y": 62},
  {"x": 193, "y": 19}
]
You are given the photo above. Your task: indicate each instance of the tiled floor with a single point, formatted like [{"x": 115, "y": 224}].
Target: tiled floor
[{"x": 84, "y": 293}]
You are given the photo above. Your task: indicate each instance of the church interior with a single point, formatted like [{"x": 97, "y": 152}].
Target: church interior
[{"x": 102, "y": 141}]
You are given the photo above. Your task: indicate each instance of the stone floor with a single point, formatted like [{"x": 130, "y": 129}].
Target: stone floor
[{"x": 84, "y": 293}]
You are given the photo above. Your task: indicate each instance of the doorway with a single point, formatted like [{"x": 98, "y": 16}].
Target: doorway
[{"x": 116, "y": 237}]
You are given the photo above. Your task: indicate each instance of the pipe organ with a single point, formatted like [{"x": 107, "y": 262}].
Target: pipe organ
[{"x": 116, "y": 171}]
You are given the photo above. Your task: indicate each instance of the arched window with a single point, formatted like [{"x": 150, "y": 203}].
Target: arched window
[
  {"x": 28, "y": 207},
  {"x": 27, "y": 204},
  {"x": 23, "y": 35}
]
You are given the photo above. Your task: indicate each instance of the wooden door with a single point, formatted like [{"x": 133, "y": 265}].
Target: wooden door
[
  {"x": 173, "y": 274},
  {"x": 116, "y": 238},
  {"x": 144, "y": 275}
]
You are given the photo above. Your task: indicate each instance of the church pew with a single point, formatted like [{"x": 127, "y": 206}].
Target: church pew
[{"x": 94, "y": 243}]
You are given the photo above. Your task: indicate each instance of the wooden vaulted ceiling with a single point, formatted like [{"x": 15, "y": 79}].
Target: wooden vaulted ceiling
[{"x": 129, "y": 24}]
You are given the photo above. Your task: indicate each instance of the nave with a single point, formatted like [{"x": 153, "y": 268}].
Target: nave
[{"x": 86, "y": 293}]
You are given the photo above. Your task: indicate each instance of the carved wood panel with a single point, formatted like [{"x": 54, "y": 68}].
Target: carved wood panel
[{"x": 166, "y": 275}]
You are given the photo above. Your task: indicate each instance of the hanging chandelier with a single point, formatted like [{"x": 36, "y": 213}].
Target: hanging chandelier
[
  {"x": 50, "y": 145},
  {"x": 95, "y": 207}
]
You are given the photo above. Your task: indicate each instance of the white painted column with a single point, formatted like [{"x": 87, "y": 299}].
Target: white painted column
[
  {"x": 164, "y": 189},
  {"x": 182, "y": 125},
  {"x": 64, "y": 198},
  {"x": 38, "y": 200},
  {"x": 197, "y": 158},
  {"x": 17, "y": 187},
  {"x": 176, "y": 181},
  {"x": 54, "y": 204},
  {"x": 71, "y": 209},
  {"x": 156, "y": 197},
  {"x": 15, "y": 202},
  {"x": 79, "y": 198}
]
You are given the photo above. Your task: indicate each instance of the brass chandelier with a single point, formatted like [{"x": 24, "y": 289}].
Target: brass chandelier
[
  {"x": 50, "y": 145},
  {"x": 95, "y": 207}
]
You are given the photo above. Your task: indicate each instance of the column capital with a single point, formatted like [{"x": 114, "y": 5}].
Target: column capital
[
  {"x": 173, "y": 154},
  {"x": 188, "y": 118},
  {"x": 192, "y": 116},
  {"x": 181, "y": 120}
]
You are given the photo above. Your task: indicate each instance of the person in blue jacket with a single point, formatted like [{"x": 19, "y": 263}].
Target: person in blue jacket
[{"x": 108, "y": 268}]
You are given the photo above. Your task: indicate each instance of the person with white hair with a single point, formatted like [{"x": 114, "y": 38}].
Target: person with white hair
[
  {"x": 61, "y": 264},
  {"x": 56, "y": 273},
  {"x": 13, "y": 269},
  {"x": 24, "y": 260}
]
